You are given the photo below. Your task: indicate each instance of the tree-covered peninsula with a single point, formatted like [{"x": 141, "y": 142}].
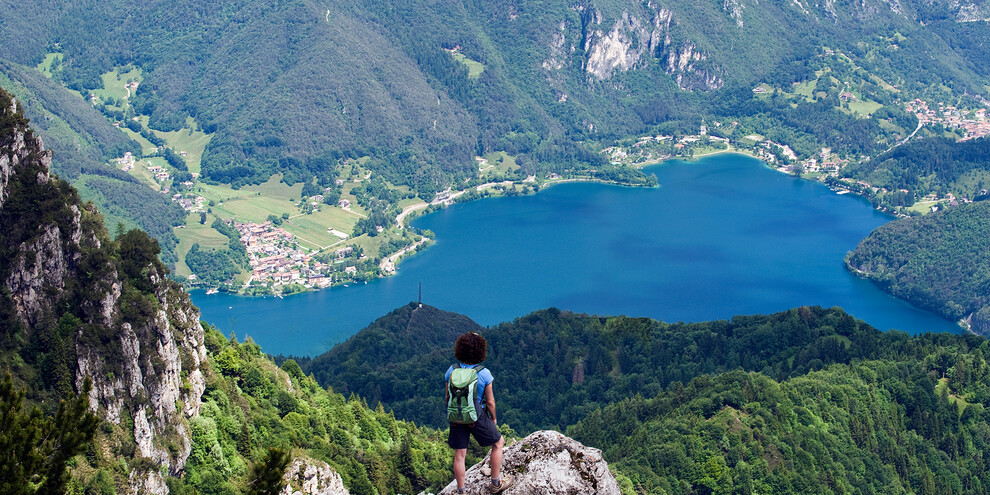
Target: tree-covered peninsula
[{"x": 940, "y": 262}]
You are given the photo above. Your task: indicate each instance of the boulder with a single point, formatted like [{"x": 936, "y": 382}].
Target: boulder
[
  {"x": 311, "y": 477},
  {"x": 545, "y": 462}
]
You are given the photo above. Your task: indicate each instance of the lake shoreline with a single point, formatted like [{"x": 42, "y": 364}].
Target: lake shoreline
[
  {"x": 389, "y": 266},
  {"x": 720, "y": 240}
]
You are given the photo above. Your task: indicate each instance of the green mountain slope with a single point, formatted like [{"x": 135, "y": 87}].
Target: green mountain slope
[
  {"x": 807, "y": 400},
  {"x": 554, "y": 367},
  {"x": 180, "y": 409},
  {"x": 938, "y": 165},
  {"x": 940, "y": 262},
  {"x": 250, "y": 405},
  {"x": 867, "y": 427},
  {"x": 294, "y": 86},
  {"x": 83, "y": 142},
  {"x": 804, "y": 401}
]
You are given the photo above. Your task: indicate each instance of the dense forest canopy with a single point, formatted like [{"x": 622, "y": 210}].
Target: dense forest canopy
[
  {"x": 809, "y": 400},
  {"x": 558, "y": 366},
  {"x": 100, "y": 292},
  {"x": 930, "y": 164},
  {"x": 806, "y": 400},
  {"x": 82, "y": 142},
  {"x": 940, "y": 262}
]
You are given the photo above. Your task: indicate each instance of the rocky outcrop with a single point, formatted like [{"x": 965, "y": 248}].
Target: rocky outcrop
[
  {"x": 627, "y": 45},
  {"x": 632, "y": 40},
  {"x": 44, "y": 259},
  {"x": 138, "y": 337},
  {"x": 311, "y": 477},
  {"x": 39, "y": 271},
  {"x": 557, "y": 58},
  {"x": 684, "y": 64},
  {"x": 17, "y": 145},
  {"x": 152, "y": 374},
  {"x": 146, "y": 482},
  {"x": 546, "y": 462},
  {"x": 971, "y": 11},
  {"x": 735, "y": 10}
]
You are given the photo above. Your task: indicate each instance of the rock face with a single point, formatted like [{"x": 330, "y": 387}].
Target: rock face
[
  {"x": 137, "y": 335},
  {"x": 17, "y": 147},
  {"x": 158, "y": 381},
  {"x": 631, "y": 41},
  {"x": 546, "y": 462},
  {"x": 625, "y": 46},
  {"x": 311, "y": 477},
  {"x": 970, "y": 11}
]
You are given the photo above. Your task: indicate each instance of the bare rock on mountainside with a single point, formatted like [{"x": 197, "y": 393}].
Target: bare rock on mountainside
[
  {"x": 546, "y": 462},
  {"x": 124, "y": 324},
  {"x": 632, "y": 41},
  {"x": 311, "y": 477}
]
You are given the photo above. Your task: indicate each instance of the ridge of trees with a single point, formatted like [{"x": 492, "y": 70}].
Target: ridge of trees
[
  {"x": 558, "y": 366},
  {"x": 927, "y": 165},
  {"x": 940, "y": 262}
]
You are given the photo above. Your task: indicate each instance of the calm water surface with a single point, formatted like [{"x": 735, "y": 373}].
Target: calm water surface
[{"x": 722, "y": 236}]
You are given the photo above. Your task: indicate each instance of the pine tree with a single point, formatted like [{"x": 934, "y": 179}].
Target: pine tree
[
  {"x": 407, "y": 464},
  {"x": 244, "y": 439},
  {"x": 34, "y": 450},
  {"x": 266, "y": 476}
]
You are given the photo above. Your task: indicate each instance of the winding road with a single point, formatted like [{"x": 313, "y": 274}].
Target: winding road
[
  {"x": 388, "y": 264},
  {"x": 401, "y": 217}
]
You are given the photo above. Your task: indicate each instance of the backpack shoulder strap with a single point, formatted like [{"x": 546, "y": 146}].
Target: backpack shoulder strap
[{"x": 478, "y": 368}]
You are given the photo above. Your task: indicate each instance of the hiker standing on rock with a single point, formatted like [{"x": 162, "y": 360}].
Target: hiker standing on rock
[{"x": 471, "y": 409}]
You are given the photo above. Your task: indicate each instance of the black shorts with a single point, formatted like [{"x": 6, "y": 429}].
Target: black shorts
[{"x": 483, "y": 430}]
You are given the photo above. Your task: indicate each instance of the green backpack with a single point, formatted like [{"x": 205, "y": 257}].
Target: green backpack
[{"x": 462, "y": 394}]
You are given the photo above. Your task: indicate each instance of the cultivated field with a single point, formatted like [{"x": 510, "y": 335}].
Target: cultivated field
[{"x": 192, "y": 233}]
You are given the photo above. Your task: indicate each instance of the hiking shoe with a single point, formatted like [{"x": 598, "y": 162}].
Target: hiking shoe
[{"x": 504, "y": 483}]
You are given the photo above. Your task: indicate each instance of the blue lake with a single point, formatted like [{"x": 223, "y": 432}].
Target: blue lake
[{"x": 721, "y": 236}]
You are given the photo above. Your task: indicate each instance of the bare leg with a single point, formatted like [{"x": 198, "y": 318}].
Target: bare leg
[
  {"x": 459, "y": 456},
  {"x": 495, "y": 462}
]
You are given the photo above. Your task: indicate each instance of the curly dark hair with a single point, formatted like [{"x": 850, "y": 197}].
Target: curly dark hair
[{"x": 471, "y": 348}]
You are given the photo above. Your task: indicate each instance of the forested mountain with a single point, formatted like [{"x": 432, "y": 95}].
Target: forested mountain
[
  {"x": 158, "y": 404},
  {"x": 939, "y": 165},
  {"x": 940, "y": 262},
  {"x": 884, "y": 426},
  {"x": 422, "y": 87},
  {"x": 76, "y": 304},
  {"x": 552, "y": 367},
  {"x": 82, "y": 142},
  {"x": 805, "y": 401}
]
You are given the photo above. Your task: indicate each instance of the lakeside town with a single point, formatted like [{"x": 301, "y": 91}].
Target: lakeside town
[
  {"x": 825, "y": 166},
  {"x": 973, "y": 123},
  {"x": 274, "y": 257}
]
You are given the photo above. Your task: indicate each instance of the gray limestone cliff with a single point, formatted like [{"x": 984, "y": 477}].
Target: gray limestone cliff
[
  {"x": 134, "y": 332},
  {"x": 546, "y": 462},
  {"x": 629, "y": 43}
]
